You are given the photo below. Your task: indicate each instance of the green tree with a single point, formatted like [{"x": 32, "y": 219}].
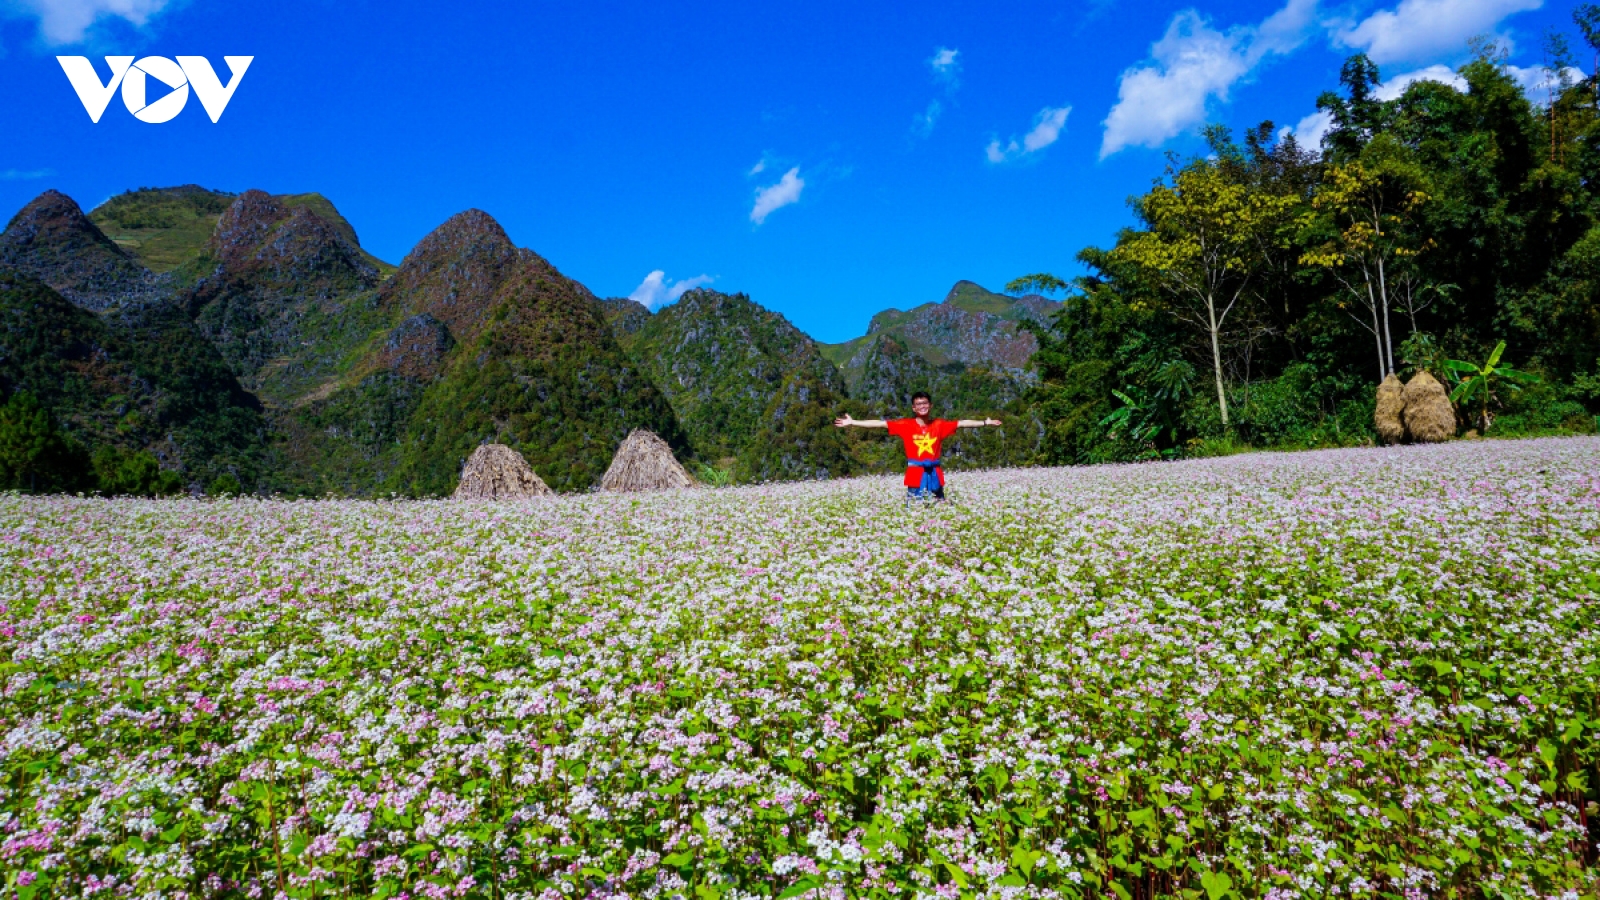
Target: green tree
[
  {"x": 1203, "y": 245},
  {"x": 1364, "y": 212},
  {"x": 34, "y": 455},
  {"x": 134, "y": 474}
]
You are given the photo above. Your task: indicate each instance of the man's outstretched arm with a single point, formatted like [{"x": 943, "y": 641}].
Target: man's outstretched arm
[
  {"x": 976, "y": 423},
  {"x": 845, "y": 421}
]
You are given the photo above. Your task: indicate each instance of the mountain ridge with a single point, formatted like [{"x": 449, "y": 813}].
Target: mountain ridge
[{"x": 369, "y": 378}]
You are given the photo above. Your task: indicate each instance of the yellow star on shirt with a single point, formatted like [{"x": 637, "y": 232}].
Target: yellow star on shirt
[{"x": 924, "y": 444}]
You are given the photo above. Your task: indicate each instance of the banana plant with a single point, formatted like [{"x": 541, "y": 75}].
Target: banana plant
[
  {"x": 1478, "y": 382},
  {"x": 1132, "y": 417}
]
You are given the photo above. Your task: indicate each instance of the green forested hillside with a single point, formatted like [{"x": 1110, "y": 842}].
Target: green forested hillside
[
  {"x": 1425, "y": 229},
  {"x": 721, "y": 360},
  {"x": 972, "y": 326},
  {"x": 265, "y": 285},
  {"x": 542, "y": 374},
  {"x": 136, "y": 388},
  {"x": 473, "y": 339}
]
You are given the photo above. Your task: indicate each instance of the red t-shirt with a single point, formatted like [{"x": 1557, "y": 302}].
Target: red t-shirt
[{"x": 922, "y": 442}]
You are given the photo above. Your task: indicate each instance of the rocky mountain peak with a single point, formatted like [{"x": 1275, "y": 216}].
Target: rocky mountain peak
[
  {"x": 261, "y": 237},
  {"x": 469, "y": 235},
  {"x": 961, "y": 289},
  {"x": 52, "y": 240},
  {"x": 625, "y": 316},
  {"x": 454, "y": 273}
]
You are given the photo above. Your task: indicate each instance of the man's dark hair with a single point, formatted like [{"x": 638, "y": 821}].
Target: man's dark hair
[{"x": 921, "y": 395}]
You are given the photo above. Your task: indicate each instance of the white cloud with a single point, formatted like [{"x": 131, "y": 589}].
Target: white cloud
[
  {"x": 1394, "y": 87},
  {"x": 1193, "y": 63},
  {"x": 1309, "y": 131},
  {"x": 759, "y": 167},
  {"x": 655, "y": 291},
  {"x": 66, "y": 21},
  {"x": 1417, "y": 29},
  {"x": 1283, "y": 31},
  {"x": 25, "y": 175},
  {"x": 1047, "y": 127},
  {"x": 946, "y": 66},
  {"x": 776, "y": 196},
  {"x": 1537, "y": 81},
  {"x": 923, "y": 122}
]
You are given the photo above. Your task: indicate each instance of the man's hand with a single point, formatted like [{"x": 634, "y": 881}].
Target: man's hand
[
  {"x": 843, "y": 421},
  {"x": 991, "y": 421}
]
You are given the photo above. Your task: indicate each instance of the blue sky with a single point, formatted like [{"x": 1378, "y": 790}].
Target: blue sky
[{"x": 829, "y": 159}]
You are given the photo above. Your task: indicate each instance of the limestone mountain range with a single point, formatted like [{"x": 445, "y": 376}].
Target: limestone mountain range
[{"x": 251, "y": 335}]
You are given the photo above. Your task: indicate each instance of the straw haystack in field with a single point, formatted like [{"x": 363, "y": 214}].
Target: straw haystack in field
[
  {"x": 497, "y": 472},
  {"x": 1429, "y": 415},
  {"x": 644, "y": 462},
  {"x": 1388, "y": 418}
]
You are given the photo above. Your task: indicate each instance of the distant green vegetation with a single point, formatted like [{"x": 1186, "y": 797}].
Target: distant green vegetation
[
  {"x": 162, "y": 227},
  {"x": 840, "y": 354},
  {"x": 1269, "y": 287}
]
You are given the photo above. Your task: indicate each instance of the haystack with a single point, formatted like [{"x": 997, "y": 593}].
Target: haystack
[
  {"x": 644, "y": 462},
  {"x": 497, "y": 472},
  {"x": 1389, "y": 419},
  {"x": 1429, "y": 416}
]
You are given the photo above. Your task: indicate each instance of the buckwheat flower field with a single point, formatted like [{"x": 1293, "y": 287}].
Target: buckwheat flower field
[{"x": 1366, "y": 673}]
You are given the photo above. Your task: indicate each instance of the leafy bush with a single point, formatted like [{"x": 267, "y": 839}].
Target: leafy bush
[
  {"x": 133, "y": 474},
  {"x": 1543, "y": 408}
]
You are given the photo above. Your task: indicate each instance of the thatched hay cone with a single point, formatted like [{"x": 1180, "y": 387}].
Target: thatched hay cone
[
  {"x": 1428, "y": 415},
  {"x": 644, "y": 462},
  {"x": 1389, "y": 418},
  {"x": 497, "y": 472}
]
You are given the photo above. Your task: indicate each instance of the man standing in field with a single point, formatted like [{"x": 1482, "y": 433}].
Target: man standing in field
[{"x": 923, "y": 436}]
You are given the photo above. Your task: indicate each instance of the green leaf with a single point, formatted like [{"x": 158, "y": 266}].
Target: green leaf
[
  {"x": 956, "y": 874},
  {"x": 678, "y": 860},
  {"x": 1547, "y": 752},
  {"x": 800, "y": 887},
  {"x": 1025, "y": 859},
  {"x": 1120, "y": 891},
  {"x": 1217, "y": 884}
]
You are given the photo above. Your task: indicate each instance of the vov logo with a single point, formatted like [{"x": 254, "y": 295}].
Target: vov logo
[{"x": 134, "y": 79}]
